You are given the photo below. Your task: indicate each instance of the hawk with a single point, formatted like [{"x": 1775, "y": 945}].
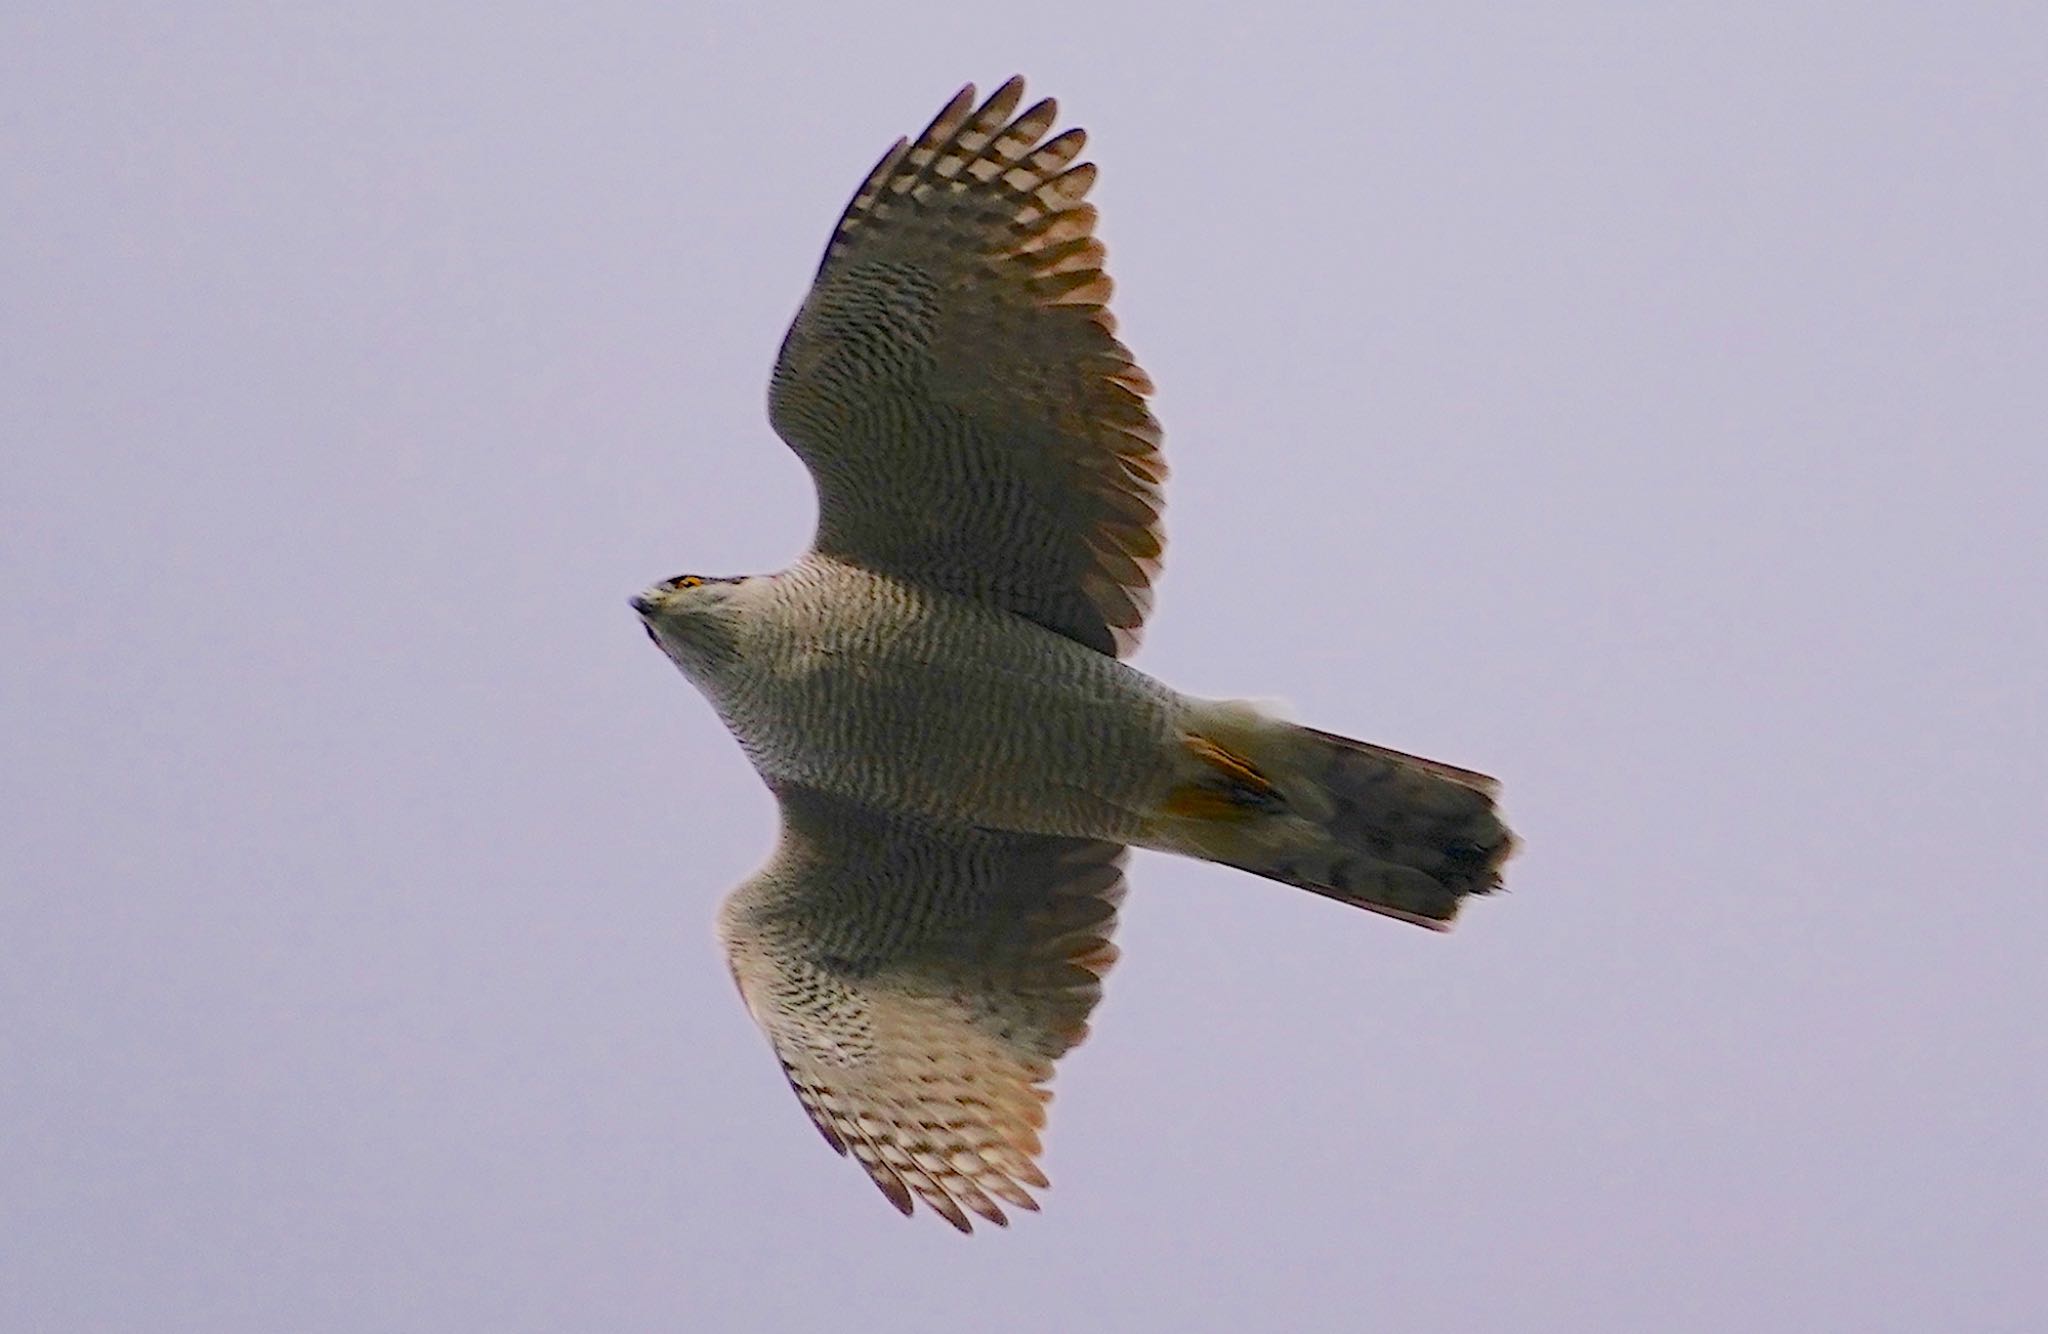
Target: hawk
[{"x": 936, "y": 691}]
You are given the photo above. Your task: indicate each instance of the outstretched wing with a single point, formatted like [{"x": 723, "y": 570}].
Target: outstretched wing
[
  {"x": 917, "y": 983},
  {"x": 954, "y": 384}
]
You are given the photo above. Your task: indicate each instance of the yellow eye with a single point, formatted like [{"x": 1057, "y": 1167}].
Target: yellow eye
[{"x": 686, "y": 581}]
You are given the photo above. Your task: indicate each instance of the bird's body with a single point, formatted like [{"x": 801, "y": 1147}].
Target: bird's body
[
  {"x": 936, "y": 696},
  {"x": 922, "y": 703}
]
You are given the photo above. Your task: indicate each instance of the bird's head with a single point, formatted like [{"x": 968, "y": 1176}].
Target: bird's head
[{"x": 692, "y": 617}]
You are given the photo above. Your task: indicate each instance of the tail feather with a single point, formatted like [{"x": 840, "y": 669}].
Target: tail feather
[
  {"x": 1413, "y": 837},
  {"x": 1395, "y": 834}
]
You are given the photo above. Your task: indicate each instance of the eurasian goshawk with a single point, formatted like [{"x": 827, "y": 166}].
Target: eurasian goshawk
[{"x": 935, "y": 691}]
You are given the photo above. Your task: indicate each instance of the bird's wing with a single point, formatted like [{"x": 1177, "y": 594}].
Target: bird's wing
[
  {"x": 917, "y": 983},
  {"x": 954, "y": 384}
]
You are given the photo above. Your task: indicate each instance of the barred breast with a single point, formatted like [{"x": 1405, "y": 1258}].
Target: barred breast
[{"x": 924, "y": 703}]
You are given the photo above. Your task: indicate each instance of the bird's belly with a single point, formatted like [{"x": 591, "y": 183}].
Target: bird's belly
[{"x": 1003, "y": 726}]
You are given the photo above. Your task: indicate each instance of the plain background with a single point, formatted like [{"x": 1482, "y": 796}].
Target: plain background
[{"x": 1642, "y": 403}]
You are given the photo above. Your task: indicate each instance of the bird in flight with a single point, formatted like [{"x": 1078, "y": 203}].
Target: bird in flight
[{"x": 936, "y": 691}]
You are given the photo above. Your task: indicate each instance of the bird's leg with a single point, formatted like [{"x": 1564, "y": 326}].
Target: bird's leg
[{"x": 1229, "y": 787}]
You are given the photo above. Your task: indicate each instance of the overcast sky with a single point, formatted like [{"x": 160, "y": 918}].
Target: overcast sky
[{"x": 1645, "y": 404}]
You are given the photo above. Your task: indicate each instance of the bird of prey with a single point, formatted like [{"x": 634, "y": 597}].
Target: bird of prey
[{"x": 936, "y": 691}]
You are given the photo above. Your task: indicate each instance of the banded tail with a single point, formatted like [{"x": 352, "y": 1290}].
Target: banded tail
[{"x": 1392, "y": 833}]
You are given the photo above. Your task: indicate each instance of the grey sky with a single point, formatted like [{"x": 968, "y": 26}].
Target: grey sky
[{"x": 1644, "y": 404}]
